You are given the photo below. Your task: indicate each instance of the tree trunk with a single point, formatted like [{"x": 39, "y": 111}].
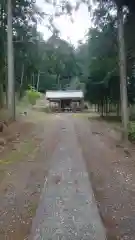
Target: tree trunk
[
  {"x": 106, "y": 106},
  {"x": 110, "y": 107},
  {"x": 22, "y": 76},
  {"x": 1, "y": 96},
  {"x": 11, "y": 84},
  {"x": 38, "y": 80},
  {"x": 33, "y": 80},
  {"x": 118, "y": 109},
  {"x": 58, "y": 82},
  {"x": 21, "y": 84},
  {"x": 98, "y": 107},
  {"x": 102, "y": 108},
  {"x": 123, "y": 76}
]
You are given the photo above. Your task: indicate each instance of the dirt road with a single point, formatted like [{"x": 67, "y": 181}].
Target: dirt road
[
  {"x": 67, "y": 209},
  {"x": 25, "y": 166},
  {"x": 112, "y": 173}
]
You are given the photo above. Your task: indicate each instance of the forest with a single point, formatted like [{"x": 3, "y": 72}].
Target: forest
[
  {"x": 56, "y": 64},
  {"x": 67, "y": 175}
]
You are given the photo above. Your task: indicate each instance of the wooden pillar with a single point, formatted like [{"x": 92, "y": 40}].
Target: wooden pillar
[
  {"x": 82, "y": 104},
  {"x": 49, "y": 105},
  {"x": 59, "y": 105}
]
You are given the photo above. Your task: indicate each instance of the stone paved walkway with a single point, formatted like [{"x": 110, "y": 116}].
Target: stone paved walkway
[{"x": 67, "y": 210}]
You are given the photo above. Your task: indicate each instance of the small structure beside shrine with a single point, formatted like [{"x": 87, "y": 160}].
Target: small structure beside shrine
[{"x": 72, "y": 100}]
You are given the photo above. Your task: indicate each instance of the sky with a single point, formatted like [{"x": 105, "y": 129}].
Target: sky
[{"x": 72, "y": 32}]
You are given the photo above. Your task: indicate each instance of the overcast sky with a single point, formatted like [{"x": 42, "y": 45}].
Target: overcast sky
[{"x": 69, "y": 31}]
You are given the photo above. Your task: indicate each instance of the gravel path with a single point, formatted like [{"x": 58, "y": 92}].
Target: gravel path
[
  {"x": 67, "y": 208},
  {"x": 112, "y": 174}
]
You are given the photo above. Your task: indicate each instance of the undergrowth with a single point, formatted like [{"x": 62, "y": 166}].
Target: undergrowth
[{"x": 131, "y": 131}]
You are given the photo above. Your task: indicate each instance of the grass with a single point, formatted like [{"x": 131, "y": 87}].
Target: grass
[
  {"x": 131, "y": 131},
  {"x": 36, "y": 116},
  {"x": 19, "y": 153},
  {"x": 113, "y": 120},
  {"x": 2, "y": 174},
  {"x": 35, "y": 113},
  {"x": 4, "y": 116},
  {"x": 23, "y": 148},
  {"x": 115, "y": 123},
  {"x": 32, "y": 209},
  {"x": 86, "y": 114}
]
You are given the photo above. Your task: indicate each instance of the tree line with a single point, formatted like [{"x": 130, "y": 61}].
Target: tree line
[
  {"x": 100, "y": 66},
  {"x": 42, "y": 64},
  {"x": 111, "y": 60}
]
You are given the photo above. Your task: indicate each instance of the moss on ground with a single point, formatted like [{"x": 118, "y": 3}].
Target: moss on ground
[{"x": 16, "y": 155}]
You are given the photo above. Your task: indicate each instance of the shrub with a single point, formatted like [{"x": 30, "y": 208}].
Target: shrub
[
  {"x": 131, "y": 131},
  {"x": 32, "y": 95}
]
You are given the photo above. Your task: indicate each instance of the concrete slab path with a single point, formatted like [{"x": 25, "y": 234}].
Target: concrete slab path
[{"x": 67, "y": 210}]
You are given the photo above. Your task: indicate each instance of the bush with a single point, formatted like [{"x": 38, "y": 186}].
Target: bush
[
  {"x": 32, "y": 95},
  {"x": 131, "y": 131}
]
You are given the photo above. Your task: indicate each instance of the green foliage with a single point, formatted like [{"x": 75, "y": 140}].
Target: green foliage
[
  {"x": 42, "y": 64},
  {"x": 32, "y": 95},
  {"x": 131, "y": 131},
  {"x": 129, "y": 3},
  {"x": 98, "y": 58},
  {"x": 56, "y": 64}
]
